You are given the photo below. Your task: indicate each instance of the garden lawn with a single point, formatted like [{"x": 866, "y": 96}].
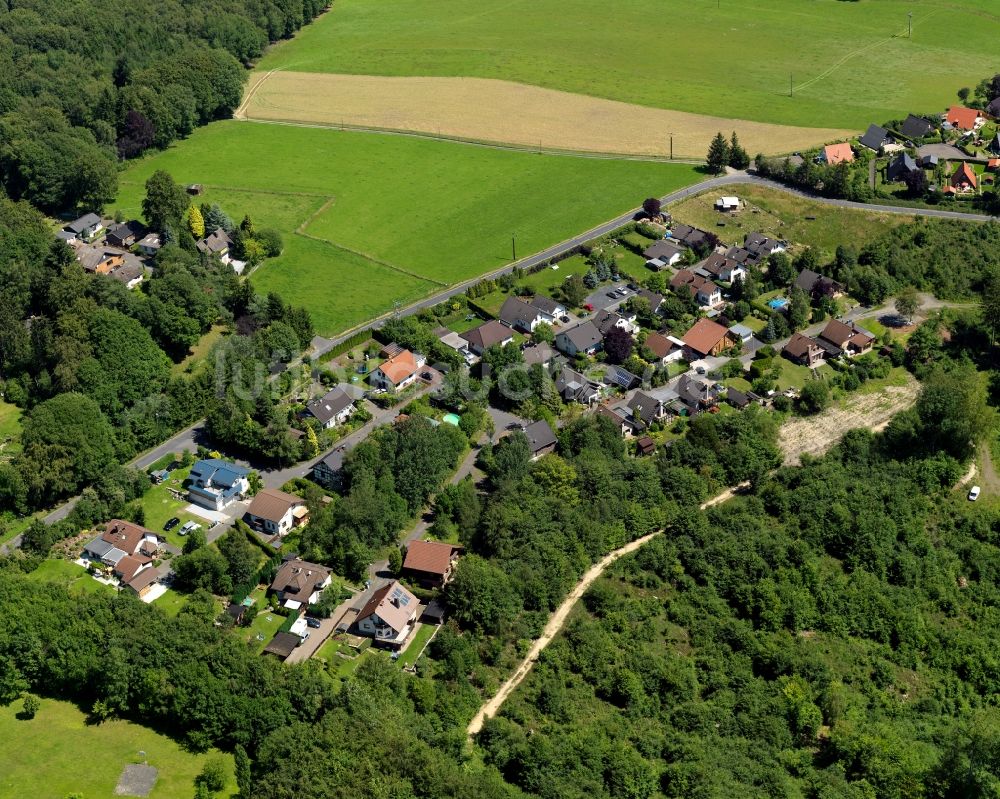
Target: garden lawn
[
  {"x": 795, "y": 376},
  {"x": 70, "y": 575},
  {"x": 58, "y": 753},
  {"x": 836, "y": 54},
  {"x": 171, "y": 602},
  {"x": 420, "y": 639},
  {"x": 159, "y": 505},
  {"x": 262, "y": 629},
  {"x": 196, "y": 358},
  {"x": 390, "y": 218},
  {"x": 10, "y": 422}
]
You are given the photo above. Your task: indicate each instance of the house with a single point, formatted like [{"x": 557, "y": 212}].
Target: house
[
  {"x": 576, "y": 387},
  {"x": 454, "y": 341},
  {"x": 964, "y": 178},
  {"x": 122, "y": 539},
  {"x": 605, "y": 320},
  {"x": 542, "y": 354},
  {"x": 299, "y": 583},
  {"x": 326, "y": 471},
  {"x": 993, "y": 108},
  {"x": 86, "y": 227},
  {"x": 963, "y": 118},
  {"x": 130, "y": 273},
  {"x": 695, "y": 238},
  {"x": 621, "y": 377},
  {"x": 150, "y": 244},
  {"x": 737, "y": 398},
  {"x": 743, "y": 333},
  {"x": 282, "y": 645},
  {"x": 429, "y": 563},
  {"x": 763, "y": 246},
  {"x": 519, "y": 315},
  {"x": 834, "y": 154},
  {"x": 541, "y": 439},
  {"x": 397, "y": 372},
  {"x": 646, "y": 409},
  {"x": 127, "y": 568},
  {"x": 215, "y": 483},
  {"x": 217, "y": 243},
  {"x": 875, "y": 138},
  {"x": 389, "y": 616},
  {"x": 666, "y": 349},
  {"x": 276, "y": 512},
  {"x": 695, "y": 393},
  {"x": 489, "y": 334},
  {"x": 705, "y": 292},
  {"x": 125, "y": 234},
  {"x": 719, "y": 267},
  {"x": 142, "y": 582},
  {"x": 548, "y": 306},
  {"x": 817, "y": 285},
  {"x": 333, "y": 408},
  {"x": 621, "y": 418},
  {"x": 900, "y": 168},
  {"x": 663, "y": 253},
  {"x": 707, "y": 338},
  {"x": 803, "y": 350},
  {"x": 645, "y": 446},
  {"x": 727, "y": 204},
  {"x": 583, "y": 338},
  {"x": 655, "y": 300},
  {"x": 100, "y": 260},
  {"x": 847, "y": 339},
  {"x": 993, "y": 165},
  {"x": 928, "y": 161},
  {"x": 915, "y": 127}
]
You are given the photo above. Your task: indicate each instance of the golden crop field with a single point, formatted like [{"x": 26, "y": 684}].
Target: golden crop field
[{"x": 503, "y": 112}]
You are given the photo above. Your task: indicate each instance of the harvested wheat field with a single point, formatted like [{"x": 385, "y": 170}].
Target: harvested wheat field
[
  {"x": 503, "y": 112},
  {"x": 814, "y": 435}
]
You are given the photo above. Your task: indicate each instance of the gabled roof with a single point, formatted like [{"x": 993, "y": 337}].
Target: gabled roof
[
  {"x": 488, "y": 334},
  {"x": 584, "y": 336},
  {"x": 644, "y": 407},
  {"x": 546, "y": 305},
  {"x": 330, "y": 405},
  {"x": 393, "y": 604},
  {"x": 695, "y": 283},
  {"x": 517, "y": 313},
  {"x": 660, "y": 345},
  {"x": 964, "y": 174},
  {"x": 915, "y": 127},
  {"x": 654, "y": 299},
  {"x": 432, "y": 557},
  {"x": 837, "y": 153},
  {"x": 995, "y": 143},
  {"x": 799, "y": 345},
  {"x": 298, "y": 579},
  {"x": 572, "y": 385},
  {"x": 272, "y": 504},
  {"x": 962, "y": 118},
  {"x": 839, "y": 334},
  {"x": 125, "y": 535},
  {"x": 399, "y": 367},
  {"x": 605, "y": 320},
  {"x": 540, "y": 435},
  {"x": 691, "y": 236},
  {"x": 127, "y": 272},
  {"x": 143, "y": 579},
  {"x": 693, "y": 390},
  {"x": 620, "y": 376},
  {"x": 704, "y": 335},
  {"x": 217, "y": 241},
  {"x": 901, "y": 166},
  {"x": 874, "y": 138},
  {"x": 717, "y": 264},
  {"x": 663, "y": 249},
  {"x": 993, "y": 109},
  {"x": 540, "y": 353},
  {"x": 91, "y": 257},
  {"x": 84, "y": 222},
  {"x": 760, "y": 244},
  {"x": 218, "y": 472}
]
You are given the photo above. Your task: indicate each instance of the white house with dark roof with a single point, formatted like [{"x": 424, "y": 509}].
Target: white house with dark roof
[
  {"x": 334, "y": 408},
  {"x": 583, "y": 338},
  {"x": 548, "y": 306},
  {"x": 86, "y": 227},
  {"x": 519, "y": 315}
]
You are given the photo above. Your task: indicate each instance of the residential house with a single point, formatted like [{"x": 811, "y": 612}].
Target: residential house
[
  {"x": 276, "y": 512},
  {"x": 397, "y": 372},
  {"x": 488, "y": 334},
  {"x": 707, "y": 338},
  {"x": 705, "y": 292},
  {"x": 695, "y": 238},
  {"x": 665, "y": 349},
  {"x": 875, "y": 138},
  {"x": 928, "y": 161},
  {"x": 129, "y": 567},
  {"x": 142, "y": 582},
  {"x": 963, "y": 118},
  {"x": 655, "y": 300},
  {"x": 541, "y": 439},
  {"x": 737, "y": 398},
  {"x": 388, "y": 617},
  {"x": 900, "y": 168},
  {"x": 993, "y": 108},
  {"x": 100, "y": 260},
  {"x": 915, "y": 127},
  {"x": 125, "y": 234},
  {"x": 542, "y": 354},
  {"x": 803, "y": 350},
  {"x": 993, "y": 165},
  {"x": 218, "y": 242},
  {"x": 663, "y": 253},
  {"x": 454, "y": 341},
  {"x": 299, "y": 583},
  {"x": 994, "y": 145},
  {"x": 964, "y": 178},
  {"x": 583, "y": 338},
  {"x": 122, "y": 539},
  {"x": 644, "y": 445},
  {"x": 605, "y": 320},
  {"x": 216, "y": 484},
  {"x": 86, "y": 227},
  {"x": 282, "y": 645},
  {"x": 646, "y": 410},
  {"x": 816, "y": 285},
  {"x": 719, "y": 267},
  {"x": 150, "y": 244},
  {"x": 696, "y": 394},
  {"x": 762, "y": 245},
  {"x": 727, "y": 204},
  {"x": 333, "y": 408},
  {"x": 743, "y": 333},
  {"x": 847, "y": 339},
  {"x": 519, "y": 315},
  {"x": 548, "y": 306},
  {"x": 430, "y": 563},
  {"x": 621, "y": 417},
  {"x": 576, "y": 387},
  {"x": 131, "y": 273},
  {"x": 327, "y": 470},
  {"x": 621, "y": 377},
  {"x": 834, "y": 154}
]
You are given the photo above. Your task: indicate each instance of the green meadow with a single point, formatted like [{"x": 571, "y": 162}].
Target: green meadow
[
  {"x": 851, "y": 63},
  {"x": 372, "y": 220}
]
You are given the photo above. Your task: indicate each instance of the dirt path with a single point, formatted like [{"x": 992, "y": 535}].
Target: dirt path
[{"x": 558, "y": 620}]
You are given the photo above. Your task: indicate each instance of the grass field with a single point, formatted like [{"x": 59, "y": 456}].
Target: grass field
[
  {"x": 784, "y": 216},
  {"x": 850, "y": 63},
  {"x": 388, "y": 219},
  {"x": 10, "y": 429},
  {"x": 58, "y": 753},
  {"x": 200, "y": 350},
  {"x": 69, "y": 575}
]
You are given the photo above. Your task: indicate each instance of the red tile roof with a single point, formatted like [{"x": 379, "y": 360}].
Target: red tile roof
[
  {"x": 962, "y": 118},
  {"x": 835, "y": 153},
  {"x": 400, "y": 367},
  {"x": 432, "y": 557},
  {"x": 704, "y": 335},
  {"x": 964, "y": 175}
]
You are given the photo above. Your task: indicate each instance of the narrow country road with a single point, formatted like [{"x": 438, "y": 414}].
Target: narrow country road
[{"x": 558, "y": 620}]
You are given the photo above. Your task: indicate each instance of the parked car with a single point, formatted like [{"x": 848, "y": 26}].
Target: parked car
[
  {"x": 613, "y": 294},
  {"x": 974, "y": 494},
  {"x": 171, "y": 523},
  {"x": 189, "y": 527},
  {"x": 564, "y": 319},
  {"x": 312, "y": 622}
]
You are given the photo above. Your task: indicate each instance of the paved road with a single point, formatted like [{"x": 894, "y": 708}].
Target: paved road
[{"x": 323, "y": 345}]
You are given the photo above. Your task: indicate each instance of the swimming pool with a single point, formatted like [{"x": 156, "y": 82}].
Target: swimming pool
[
  {"x": 777, "y": 303},
  {"x": 451, "y": 418}
]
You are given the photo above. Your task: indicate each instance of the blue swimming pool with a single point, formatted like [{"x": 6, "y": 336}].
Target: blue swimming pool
[{"x": 777, "y": 303}]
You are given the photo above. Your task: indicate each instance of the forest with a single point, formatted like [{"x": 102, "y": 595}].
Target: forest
[{"x": 87, "y": 83}]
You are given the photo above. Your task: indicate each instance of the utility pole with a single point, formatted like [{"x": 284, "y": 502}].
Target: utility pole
[
  {"x": 513, "y": 246},
  {"x": 909, "y": 25},
  {"x": 671, "y": 146}
]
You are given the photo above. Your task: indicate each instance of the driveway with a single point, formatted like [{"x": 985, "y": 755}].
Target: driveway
[{"x": 600, "y": 299}]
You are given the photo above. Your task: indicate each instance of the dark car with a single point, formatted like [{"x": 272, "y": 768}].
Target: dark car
[
  {"x": 564, "y": 319},
  {"x": 171, "y": 523},
  {"x": 310, "y": 621}
]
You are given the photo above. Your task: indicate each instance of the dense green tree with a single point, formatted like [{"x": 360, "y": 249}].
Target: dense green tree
[
  {"x": 165, "y": 203},
  {"x": 718, "y": 154}
]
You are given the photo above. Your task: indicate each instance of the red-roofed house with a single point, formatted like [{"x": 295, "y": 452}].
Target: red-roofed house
[
  {"x": 430, "y": 562},
  {"x": 964, "y": 178},
  {"x": 707, "y": 338},
  {"x": 398, "y": 372},
  {"x": 963, "y": 118},
  {"x": 837, "y": 153}
]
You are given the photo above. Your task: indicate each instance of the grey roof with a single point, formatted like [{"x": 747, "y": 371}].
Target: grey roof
[
  {"x": 901, "y": 166},
  {"x": 91, "y": 257},
  {"x": 572, "y": 385},
  {"x": 643, "y": 407},
  {"x": 693, "y": 391},
  {"x": 84, "y": 222},
  {"x": 915, "y": 127},
  {"x": 620, "y": 376},
  {"x": 330, "y": 405},
  {"x": 540, "y": 353},
  {"x": 664, "y": 250},
  {"x": 584, "y": 336},
  {"x": 737, "y": 397},
  {"x": 995, "y": 143},
  {"x": 128, "y": 272},
  {"x": 66, "y": 235},
  {"x": 517, "y": 313},
  {"x": 761, "y": 245},
  {"x": 874, "y": 138},
  {"x": 742, "y": 331},
  {"x": 540, "y": 435},
  {"x": 215, "y": 242},
  {"x": 487, "y": 334},
  {"x": 98, "y": 547},
  {"x": 655, "y": 300},
  {"x": 604, "y": 320},
  {"x": 993, "y": 109},
  {"x": 546, "y": 305},
  {"x": 807, "y": 279}
]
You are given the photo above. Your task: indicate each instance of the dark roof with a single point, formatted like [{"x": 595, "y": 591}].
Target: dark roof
[
  {"x": 620, "y": 376},
  {"x": 572, "y": 385},
  {"x": 761, "y": 245},
  {"x": 874, "y": 137},
  {"x": 665, "y": 250},
  {"x": 487, "y": 334},
  {"x": 993, "y": 109},
  {"x": 84, "y": 222},
  {"x": 654, "y": 299},
  {"x": 540, "y": 353},
  {"x": 901, "y": 166},
  {"x": 643, "y": 407},
  {"x": 915, "y": 127},
  {"x": 330, "y": 405},
  {"x": 517, "y": 313},
  {"x": 799, "y": 345},
  {"x": 604, "y": 320},
  {"x": 127, "y": 272},
  {"x": 693, "y": 391},
  {"x": 737, "y": 398},
  {"x": 995, "y": 143},
  {"x": 217, "y": 241},
  {"x": 584, "y": 336},
  {"x": 546, "y": 305},
  {"x": 540, "y": 435},
  {"x": 282, "y": 645},
  {"x": 807, "y": 279}
]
